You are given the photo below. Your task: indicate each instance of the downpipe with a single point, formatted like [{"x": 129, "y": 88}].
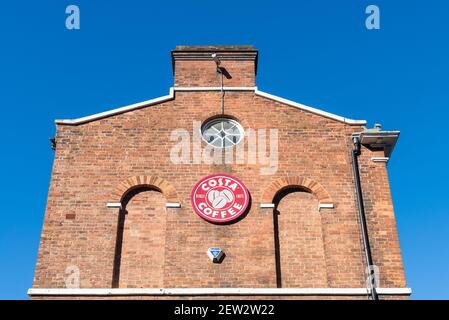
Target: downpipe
[{"x": 361, "y": 210}]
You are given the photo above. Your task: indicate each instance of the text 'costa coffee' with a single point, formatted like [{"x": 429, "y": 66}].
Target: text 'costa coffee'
[{"x": 220, "y": 198}]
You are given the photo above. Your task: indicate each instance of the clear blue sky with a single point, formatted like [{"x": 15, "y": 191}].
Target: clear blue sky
[{"x": 316, "y": 52}]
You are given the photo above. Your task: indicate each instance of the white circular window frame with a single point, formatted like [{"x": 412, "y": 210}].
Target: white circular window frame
[{"x": 210, "y": 123}]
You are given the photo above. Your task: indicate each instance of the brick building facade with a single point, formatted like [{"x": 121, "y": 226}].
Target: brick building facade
[{"x": 119, "y": 220}]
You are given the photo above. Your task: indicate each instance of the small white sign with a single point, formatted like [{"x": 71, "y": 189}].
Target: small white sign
[{"x": 215, "y": 254}]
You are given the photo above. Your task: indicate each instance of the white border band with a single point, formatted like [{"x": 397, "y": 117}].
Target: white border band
[
  {"x": 217, "y": 291},
  {"x": 267, "y": 205}
]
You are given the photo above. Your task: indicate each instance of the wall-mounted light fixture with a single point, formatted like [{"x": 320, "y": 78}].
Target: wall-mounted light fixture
[{"x": 215, "y": 254}]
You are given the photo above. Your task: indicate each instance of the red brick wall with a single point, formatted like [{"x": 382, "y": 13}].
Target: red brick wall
[
  {"x": 381, "y": 220},
  {"x": 300, "y": 230},
  {"x": 203, "y": 74},
  {"x": 166, "y": 247},
  {"x": 142, "y": 260}
]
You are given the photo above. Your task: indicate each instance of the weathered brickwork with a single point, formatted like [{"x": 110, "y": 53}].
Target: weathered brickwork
[
  {"x": 126, "y": 158},
  {"x": 144, "y": 223},
  {"x": 381, "y": 220},
  {"x": 297, "y": 225}
]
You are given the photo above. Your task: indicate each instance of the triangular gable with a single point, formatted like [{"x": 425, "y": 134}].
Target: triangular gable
[{"x": 171, "y": 95}]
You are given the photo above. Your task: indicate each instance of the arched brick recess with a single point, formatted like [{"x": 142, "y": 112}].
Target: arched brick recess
[
  {"x": 299, "y": 240},
  {"x": 145, "y": 181},
  {"x": 139, "y": 262},
  {"x": 296, "y": 182}
]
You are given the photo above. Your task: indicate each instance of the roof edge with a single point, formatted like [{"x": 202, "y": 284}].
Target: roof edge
[
  {"x": 214, "y": 48},
  {"x": 223, "y": 52},
  {"x": 329, "y": 115},
  {"x": 117, "y": 111},
  {"x": 171, "y": 96}
]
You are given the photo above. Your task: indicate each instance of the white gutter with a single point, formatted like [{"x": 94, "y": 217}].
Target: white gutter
[
  {"x": 171, "y": 96},
  {"x": 105, "y": 114},
  {"x": 310, "y": 109},
  {"x": 217, "y": 291}
]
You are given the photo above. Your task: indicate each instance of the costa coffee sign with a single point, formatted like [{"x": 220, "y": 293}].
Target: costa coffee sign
[{"x": 220, "y": 198}]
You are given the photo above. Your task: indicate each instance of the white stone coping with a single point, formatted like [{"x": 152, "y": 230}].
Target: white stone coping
[
  {"x": 173, "y": 205},
  {"x": 380, "y": 159},
  {"x": 114, "y": 205},
  {"x": 215, "y": 291},
  {"x": 171, "y": 96},
  {"x": 120, "y": 110},
  {"x": 310, "y": 109},
  {"x": 325, "y": 206}
]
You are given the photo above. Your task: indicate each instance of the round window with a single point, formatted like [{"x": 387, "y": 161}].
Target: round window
[{"x": 222, "y": 132}]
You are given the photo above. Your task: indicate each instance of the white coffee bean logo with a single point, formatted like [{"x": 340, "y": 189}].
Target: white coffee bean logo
[
  {"x": 213, "y": 194},
  {"x": 228, "y": 195},
  {"x": 219, "y": 199},
  {"x": 219, "y": 202}
]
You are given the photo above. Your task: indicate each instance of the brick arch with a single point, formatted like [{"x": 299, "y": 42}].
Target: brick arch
[
  {"x": 154, "y": 182},
  {"x": 291, "y": 182}
]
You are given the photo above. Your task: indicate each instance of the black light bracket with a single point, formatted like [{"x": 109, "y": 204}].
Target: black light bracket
[{"x": 53, "y": 143}]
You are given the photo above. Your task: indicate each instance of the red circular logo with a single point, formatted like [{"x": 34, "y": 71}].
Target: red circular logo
[{"x": 220, "y": 198}]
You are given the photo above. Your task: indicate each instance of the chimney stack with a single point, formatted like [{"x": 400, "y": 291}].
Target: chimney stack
[{"x": 194, "y": 66}]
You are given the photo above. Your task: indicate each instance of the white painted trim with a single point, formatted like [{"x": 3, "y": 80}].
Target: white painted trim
[
  {"x": 173, "y": 205},
  {"x": 380, "y": 159},
  {"x": 215, "y": 88},
  {"x": 325, "y": 206},
  {"x": 171, "y": 96},
  {"x": 114, "y": 205},
  {"x": 105, "y": 114},
  {"x": 216, "y": 291},
  {"x": 394, "y": 291},
  {"x": 267, "y": 205},
  {"x": 310, "y": 109}
]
